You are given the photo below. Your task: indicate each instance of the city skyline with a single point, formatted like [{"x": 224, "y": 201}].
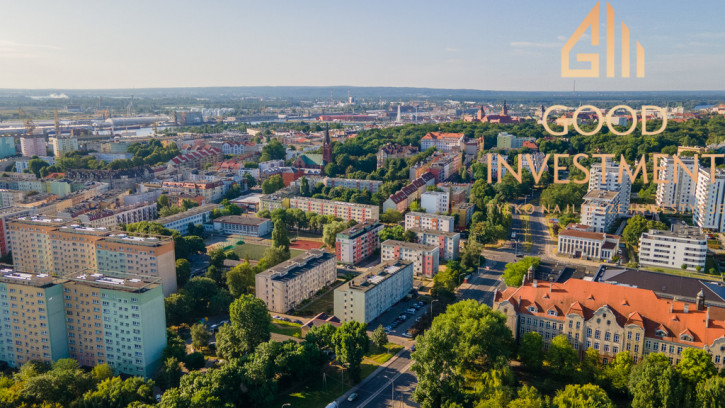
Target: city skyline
[{"x": 482, "y": 45}]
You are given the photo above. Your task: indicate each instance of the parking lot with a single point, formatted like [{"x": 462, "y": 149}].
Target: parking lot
[{"x": 401, "y": 317}]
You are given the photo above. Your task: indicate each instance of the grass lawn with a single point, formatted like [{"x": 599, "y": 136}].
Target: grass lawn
[
  {"x": 380, "y": 356},
  {"x": 285, "y": 328},
  {"x": 306, "y": 235},
  {"x": 256, "y": 252},
  {"x": 324, "y": 304},
  {"x": 324, "y": 388}
]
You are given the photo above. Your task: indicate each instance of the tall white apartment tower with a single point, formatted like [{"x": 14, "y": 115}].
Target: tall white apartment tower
[
  {"x": 710, "y": 194},
  {"x": 680, "y": 193},
  {"x": 611, "y": 183}
]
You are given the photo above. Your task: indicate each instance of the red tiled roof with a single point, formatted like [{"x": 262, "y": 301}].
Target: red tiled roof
[
  {"x": 629, "y": 305},
  {"x": 439, "y": 135}
]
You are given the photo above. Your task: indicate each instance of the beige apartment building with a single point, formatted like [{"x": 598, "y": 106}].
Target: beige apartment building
[
  {"x": 60, "y": 248},
  {"x": 286, "y": 285},
  {"x": 346, "y": 211}
]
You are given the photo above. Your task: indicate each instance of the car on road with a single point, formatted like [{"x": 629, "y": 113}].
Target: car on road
[
  {"x": 352, "y": 397},
  {"x": 407, "y": 335},
  {"x": 411, "y": 310},
  {"x": 214, "y": 327},
  {"x": 275, "y": 317}
]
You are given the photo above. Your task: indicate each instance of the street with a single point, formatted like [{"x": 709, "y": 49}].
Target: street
[{"x": 394, "y": 381}]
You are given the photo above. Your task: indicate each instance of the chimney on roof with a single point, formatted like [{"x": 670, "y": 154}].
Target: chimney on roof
[
  {"x": 686, "y": 308},
  {"x": 550, "y": 285},
  {"x": 701, "y": 300},
  {"x": 535, "y": 283},
  {"x": 707, "y": 318},
  {"x": 672, "y": 305}
]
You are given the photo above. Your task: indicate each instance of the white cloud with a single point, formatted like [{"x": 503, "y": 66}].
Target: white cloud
[
  {"x": 449, "y": 49},
  {"x": 531, "y": 44},
  {"x": 15, "y": 50}
]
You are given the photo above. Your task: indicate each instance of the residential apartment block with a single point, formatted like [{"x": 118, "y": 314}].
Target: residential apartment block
[
  {"x": 210, "y": 191},
  {"x": 608, "y": 180},
  {"x": 370, "y": 185},
  {"x": 395, "y": 151},
  {"x": 346, "y": 211},
  {"x": 435, "y": 202},
  {"x": 367, "y": 296},
  {"x": 679, "y": 195},
  {"x": 425, "y": 258},
  {"x": 578, "y": 241},
  {"x": 33, "y": 146},
  {"x": 683, "y": 245},
  {"x": 614, "y": 318},
  {"x": 193, "y": 216},
  {"x": 60, "y": 248},
  {"x": 112, "y": 218},
  {"x": 448, "y": 243},
  {"x": 710, "y": 200},
  {"x": 92, "y": 318},
  {"x": 506, "y": 140},
  {"x": 600, "y": 209},
  {"x": 286, "y": 285},
  {"x": 63, "y": 145},
  {"x": 7, "y": 214},
  {"x": 243, "y": 225},
  {"x": 429, "y": 221},
  {"x": 357, "y": 243},
  {"x": 401, "y": 200}
]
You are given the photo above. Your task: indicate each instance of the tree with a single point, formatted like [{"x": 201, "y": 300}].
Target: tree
[
  {"x": 391, "y": 216},
  {"x": 513, "y": 273},
  {"x": 653, "y": 383},
  {"x": 380, "y": 338},
  {"x": 169, "y": 374},
  {"x": 240, "y": 279},
  {"x": 35, "y": 165},
  {"x": 562, "y": 357},
  {"x": 117, "y": 393},
  {"x": 591, "y": 369},
  {"x": 395, "y": 233},
  {"x": 711, "y": 392},
  {"x": 273, "y": 256},
  {"x": 178, "y": 307},
  {"x": 183, "y": 271},
  {"x": 201, "y": 289},
  {"x": 194, "y": 361},
  {"x": 321, "y": 335},
  {"x": 618, "y": 371},
  {"x": 249, "y": 316},
  {"x": 587, "y": 395},
  {"x": 272, "y": 151},
  {"x": 471, "y": 255},
  {"x": 468, "y": 337},
  {"x": 200, "y": 336},
  {"x": 695, "y": 367},
  {"x": 272, "y": 184},
  {"x": 528, "y": 397},
  {"x": 409, "y": 236},
  {"x": 175, "y": 346},
  {"x": 351, "y": 343},
  {"x": 330, "y": 231},
  {"x": 638, "y": 225},
  {"x": 280, "y": 238},
  {"x": 101, "y": 372},
  {"x": 304, "y": 187},
  {"x": 531, "y": 351}
]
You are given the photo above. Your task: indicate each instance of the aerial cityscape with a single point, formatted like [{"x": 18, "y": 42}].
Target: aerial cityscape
[{"x": 367, "y": 205}]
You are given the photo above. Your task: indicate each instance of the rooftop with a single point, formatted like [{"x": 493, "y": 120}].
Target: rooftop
[
  {"x": 423, "y": 215},
  {"x": 298, "y": 265},
  {"x": 130, "y": 284},
  {"x": 8, "y": 275},
  {"x": 678, "y": 231},
  {"x": 603, "y": 195},
  {"x": 410, "y": 245},
  {"x": 435, "y": 232},
  {"x": 359, "y": 229},
  {"x": 241, "y": 219},
  {"x": 188, "y": 213},
  {"x": 376, "y": 275}
]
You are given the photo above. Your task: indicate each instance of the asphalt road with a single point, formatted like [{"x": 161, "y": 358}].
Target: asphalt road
[
  {"x": 394, "y": 381},
  {"x": 482, "y": 285}
]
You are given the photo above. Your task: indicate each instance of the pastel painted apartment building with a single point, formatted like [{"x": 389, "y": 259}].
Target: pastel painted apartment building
[
  {"x": 425, "y": 258},
  {"x": 358, "y": 243},
  {"x": 429, "y": 221}
]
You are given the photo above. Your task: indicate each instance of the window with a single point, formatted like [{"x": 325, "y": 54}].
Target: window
[
  {"x": 616, "y": 338},
  {"x": 597, "y": 334},
  {"x": 629, "y": 335},
  {"x": 686, "y": 337},
  {"x": 552, "y": 312},
  {"x": 660, "y": 333},
  {"x": 636, "y": 337},
  {"x": 615, "y": 349},
  {"x": 607, "y": 336},
  {"x": 589, "y": 332}
]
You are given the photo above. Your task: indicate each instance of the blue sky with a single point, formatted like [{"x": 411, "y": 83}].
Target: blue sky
[{"x": 498, "y": 45}]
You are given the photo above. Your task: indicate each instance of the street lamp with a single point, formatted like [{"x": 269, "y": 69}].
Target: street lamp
[{"x": 431, "y": 308}]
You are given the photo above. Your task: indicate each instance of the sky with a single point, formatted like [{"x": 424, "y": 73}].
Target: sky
[{"x": 512, "y": 45}]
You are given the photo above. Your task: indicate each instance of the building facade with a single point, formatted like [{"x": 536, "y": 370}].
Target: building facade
[
  {"x": 346, "y": 211},
  {"x": 710, "y": 199},
  {"x": 367, "y": 296},
  {"x": 448, "y": 243},
  {"x": 33, "y": 146},
  {"x": 358, "y": 243},
  {"x": 435, "y": 202},
  {"x": 429, "y": 221},
  {"x": 63, "y": 145},
  {"x": 286, "y": 285},
  {"x": 194, "y": 216},
  {"x": 679, "y": 191},
  {"x": 683, "y": 245},
  {"x": 444, "y": 142},
  {"x": 577, "y": 241},
  {"x": 600, "y": 209},
  {"x": 608, "y": 179},
  {"x": 243, "y": 225},
  {"x": 425, "y": 258},
  {"x": 613, "y": 318}
]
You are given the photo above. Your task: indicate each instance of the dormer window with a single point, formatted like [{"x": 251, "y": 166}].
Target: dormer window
[
  {"x": 551, "y": 312},
  {"x": 532, "y": 309},
  {"x": 686, "y": 337},
  {"x": 660, "y": 333}
]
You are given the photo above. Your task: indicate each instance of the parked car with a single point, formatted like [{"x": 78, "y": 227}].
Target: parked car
[
  {"x": 352, "y": 397},
  {"x": 275, "y": 317}
]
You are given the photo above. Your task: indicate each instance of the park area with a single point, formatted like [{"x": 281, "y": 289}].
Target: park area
[{"x": 255, "y": 251}]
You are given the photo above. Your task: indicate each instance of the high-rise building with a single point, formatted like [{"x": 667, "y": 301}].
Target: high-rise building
[
  {"x": 7, "y": 146},
  {"x": 367, "y": 296},
  {"x": 33, "y": 146},
  {"x": 60, "y": 248},
  {"x": 344, "y": 210},
  {"x": 284, "y": 286},
  {"x": 435, "y": 202},
  {"x": 7, "y": 214},
  {"x": 90, "y": 317},
  {"x": 358, "y": 243},
  {"x": 678, "y": 192},
  {"x": 600, "y": 209},
  {"x": 425, "y": 258},
  {"x": 33, "y": 318},
  {"x": 598, "y": 180},
  {"x": 710, "y": 198},
  {"x": 63, "y": 145}
]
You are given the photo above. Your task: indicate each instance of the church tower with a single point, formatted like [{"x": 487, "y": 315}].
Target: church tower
[
  {"x": 481, "y": 113},
  {"x": 505, "y": 109},
  {"x": 327, "y": 147}
]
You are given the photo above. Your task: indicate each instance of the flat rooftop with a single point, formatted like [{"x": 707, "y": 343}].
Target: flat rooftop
[
  {"x": 8, "y": 275},
  {"x": 423, "y": 215},
  {"x": 359, "y": 229},
  {"x": 298, "y": 265},
  {"x": 130, "y": 284},
  {"x": 241, "y": 220},
  {"x": 188, "y": 213},
  {"x": 410, "y": 245},
  {"x": 376, "y": 275},
  {"x": 435, "y": 232}
]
